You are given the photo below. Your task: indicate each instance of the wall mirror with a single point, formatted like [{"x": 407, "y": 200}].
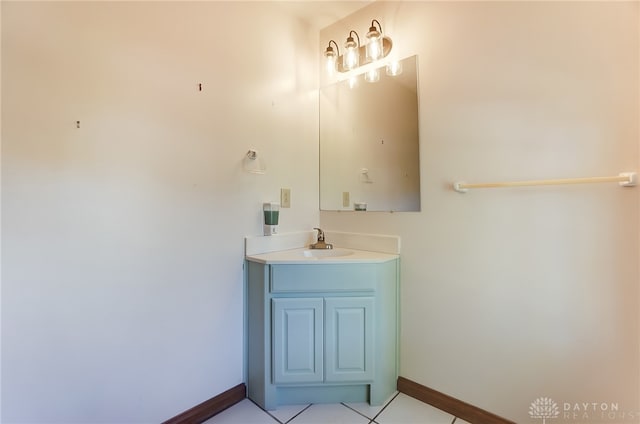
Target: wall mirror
[{"x": 369, "y": 144}]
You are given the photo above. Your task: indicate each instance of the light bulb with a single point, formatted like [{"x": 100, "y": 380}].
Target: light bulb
[
  {"x": 374, "y": 47},
  {"x": 394, "y": 68},
  {"x": 372, "y": 75},
  {"x": 330, "y": 59},
  {"x": 374, "y": 44},
  {"x": 351, "y": 57},
  {"x": 331, "y": 64}
]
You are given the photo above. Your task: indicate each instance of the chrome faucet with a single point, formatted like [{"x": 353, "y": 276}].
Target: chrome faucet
[{"x": 321, "y": 243}]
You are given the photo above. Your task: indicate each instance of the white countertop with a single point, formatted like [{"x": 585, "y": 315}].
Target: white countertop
[{"x": 297, "y": 256}]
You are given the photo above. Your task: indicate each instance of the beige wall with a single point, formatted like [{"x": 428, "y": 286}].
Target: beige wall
[
  {"x": 122, "y": 241},
  {"x": 513, "y": 294}
]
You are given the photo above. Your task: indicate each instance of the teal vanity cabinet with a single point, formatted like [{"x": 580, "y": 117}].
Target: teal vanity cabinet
[{"x": 321, "y": 332}]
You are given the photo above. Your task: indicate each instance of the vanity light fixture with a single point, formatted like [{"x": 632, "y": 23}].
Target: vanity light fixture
[{"x": 378, "y": 46}]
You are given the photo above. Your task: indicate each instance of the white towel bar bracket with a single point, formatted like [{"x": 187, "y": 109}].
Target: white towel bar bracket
[
  {"x": 458, "y": 186},
  {"x": 631, "y": 182}
]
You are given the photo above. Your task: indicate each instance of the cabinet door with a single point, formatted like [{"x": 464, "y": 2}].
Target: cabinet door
[
  {"x": 349, "y": 339},
  {"x": 297, "y": 340}
]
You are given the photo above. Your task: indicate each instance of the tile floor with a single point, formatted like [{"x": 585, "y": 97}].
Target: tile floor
[{"x": 399, "y": 409}]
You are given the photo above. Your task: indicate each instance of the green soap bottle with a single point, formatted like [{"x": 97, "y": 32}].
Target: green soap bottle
[{"x": 271, "y": 214}]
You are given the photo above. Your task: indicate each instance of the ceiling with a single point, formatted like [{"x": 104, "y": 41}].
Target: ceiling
[{"x": 322, "y": 13}]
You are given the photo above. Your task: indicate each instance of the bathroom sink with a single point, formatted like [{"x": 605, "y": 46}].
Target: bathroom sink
[{"x": 326, "y": 253}]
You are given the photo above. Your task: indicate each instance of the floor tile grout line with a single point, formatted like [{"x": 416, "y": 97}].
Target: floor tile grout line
[
  {"x": 272, "y": 416},
  {"x": 371, "y": 420},
  {"x": 385, "y": 407},
  {"x": 265, "y": 411},
  {"x": 296, "y": 416},
  {"x": 379, "y": 412},
  {"x": 356, "y": 411}
]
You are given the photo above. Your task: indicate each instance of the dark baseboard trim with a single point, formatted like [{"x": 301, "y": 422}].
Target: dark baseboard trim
[
  {"x": 211, "y": 407},
  {"x": 455, "y": 407}
]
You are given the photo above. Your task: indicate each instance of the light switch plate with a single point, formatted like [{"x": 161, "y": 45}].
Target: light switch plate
[
  {"x": 345, "y": 199},
  {"x": 285, "y": 198}
]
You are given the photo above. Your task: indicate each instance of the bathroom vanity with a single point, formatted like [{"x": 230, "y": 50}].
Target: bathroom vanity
[{"x": 322, "y": 327}]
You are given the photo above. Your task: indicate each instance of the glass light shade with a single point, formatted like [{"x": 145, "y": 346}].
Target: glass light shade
[
  {"x": 351, "y": 57},
  {"x": 372, "y": 75},
  {"x": 330, "y": 59},
  {"x": 353, "y": 82},
  {"x": 394, "y": 68},
  {"x": 374, "y": 44}
]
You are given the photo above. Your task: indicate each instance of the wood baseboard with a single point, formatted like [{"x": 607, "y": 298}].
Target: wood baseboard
[
  {"x": 455, "y": 407},
  {"x": 211, "y": 407}
]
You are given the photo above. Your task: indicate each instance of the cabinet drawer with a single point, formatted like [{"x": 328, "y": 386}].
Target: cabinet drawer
[{"x": 323, "y": 278}]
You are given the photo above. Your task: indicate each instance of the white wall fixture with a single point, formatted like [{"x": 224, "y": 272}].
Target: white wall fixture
[
  {"x": 252, "y": 163},
  {"x": 355, "y": 55}
]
